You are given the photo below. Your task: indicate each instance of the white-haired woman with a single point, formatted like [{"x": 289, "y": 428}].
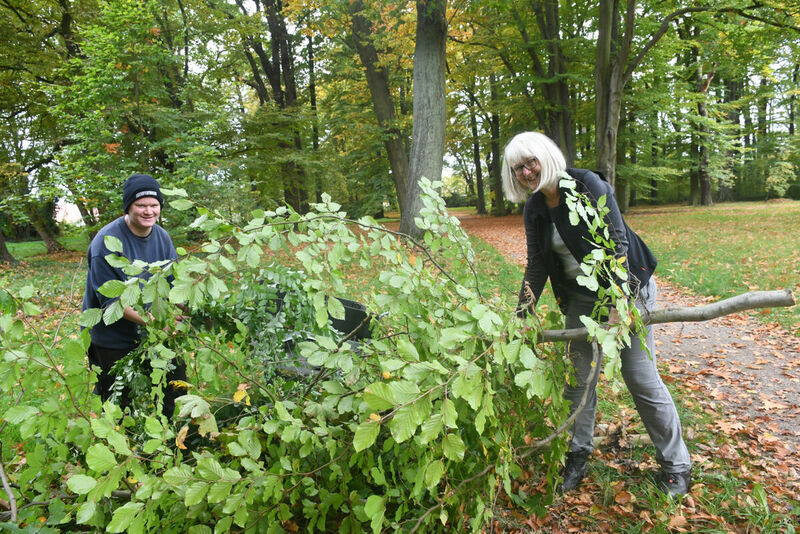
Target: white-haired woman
[{"x": 532, "y": 163}]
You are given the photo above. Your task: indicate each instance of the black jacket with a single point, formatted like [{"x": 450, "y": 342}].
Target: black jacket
[{"x": 544, "y": 263}]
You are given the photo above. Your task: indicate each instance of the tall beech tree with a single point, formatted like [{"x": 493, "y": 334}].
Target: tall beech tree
[
  {"x": 430, "y": 117},
  {"x": 377, "y": 76}
]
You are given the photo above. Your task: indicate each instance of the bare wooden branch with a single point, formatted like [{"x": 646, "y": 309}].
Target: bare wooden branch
[
  {"x": 597, "y": 360},
  {"x": 746, "y": 301},
  {"x": 12, "y": 500}
]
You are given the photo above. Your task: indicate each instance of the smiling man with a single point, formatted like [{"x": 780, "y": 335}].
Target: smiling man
[{"x": 142, "y": 239}]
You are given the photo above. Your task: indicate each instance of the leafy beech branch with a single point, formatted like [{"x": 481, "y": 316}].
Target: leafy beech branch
[
  {"x": 288, "y": 421},
  {"x": 747, "y": 301}
]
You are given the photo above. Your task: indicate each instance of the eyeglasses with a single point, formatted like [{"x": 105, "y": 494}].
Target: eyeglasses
[{"x": 530, "y": 164}]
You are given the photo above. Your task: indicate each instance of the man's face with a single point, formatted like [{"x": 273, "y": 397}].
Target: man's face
[{"x": 143, "y": 215}]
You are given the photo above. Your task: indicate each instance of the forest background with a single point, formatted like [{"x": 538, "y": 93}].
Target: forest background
[{"x": 259, "y": 104}]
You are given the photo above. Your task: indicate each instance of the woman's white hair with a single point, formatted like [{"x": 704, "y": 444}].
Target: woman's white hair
[{"x": 521, "y": 148}]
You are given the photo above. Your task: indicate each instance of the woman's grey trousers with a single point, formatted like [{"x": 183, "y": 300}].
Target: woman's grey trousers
[{"x": 639, "y": 370}]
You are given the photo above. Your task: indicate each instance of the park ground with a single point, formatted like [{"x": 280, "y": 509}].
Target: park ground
[{"x": 742, "y": 372}]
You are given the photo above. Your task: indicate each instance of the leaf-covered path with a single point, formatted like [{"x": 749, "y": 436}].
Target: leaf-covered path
[{"x": 748, "y": 370}]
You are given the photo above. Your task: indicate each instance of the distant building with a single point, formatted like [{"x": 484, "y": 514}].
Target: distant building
[{"x": 66, "y": 212}]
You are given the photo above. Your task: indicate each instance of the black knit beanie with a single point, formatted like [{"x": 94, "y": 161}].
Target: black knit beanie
[{"x": 138, "y": 186}]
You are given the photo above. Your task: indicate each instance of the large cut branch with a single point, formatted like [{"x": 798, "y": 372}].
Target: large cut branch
[{"x": 746, "y": 301}]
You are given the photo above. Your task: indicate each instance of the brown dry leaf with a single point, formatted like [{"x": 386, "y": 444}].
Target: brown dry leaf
[
  {"x": 678, "y": 521},
  {"x": 624, "y": 497},
  {"x": 179, "y": 439},
  {"x": 730, "y": 428},
  {"x": 769, "y": 405}
]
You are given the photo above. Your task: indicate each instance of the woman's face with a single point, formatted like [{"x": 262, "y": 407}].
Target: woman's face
[{"x": 528, "y": 172}]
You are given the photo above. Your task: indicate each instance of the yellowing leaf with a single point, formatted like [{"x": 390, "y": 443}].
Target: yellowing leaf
[
  {"x": 180, "y": 384},
  {"x": 241, "y": 394},
  {"x": 181, "y": 437}
]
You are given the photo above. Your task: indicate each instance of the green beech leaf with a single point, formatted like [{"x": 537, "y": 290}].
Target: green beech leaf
[
  {"x": 366, "y": 434},
  {"x": 453, "y": 447},
  {"x": 195, "y": 493},
  {"x": 112, "y": 288},
  {"x": 85, "y": 512},
  {"x": 449, "y": 414},
  {"x": 375, "y": 507},
  {"x": 219, "y": 491},
  {"x": 379, "y": 396},
  {"x": 450, "y": 338},
  {"x": 433, "y": 473},
  {"x": 181, "y": 204},
  {"x": 404, "y": 391},
  {"x": 90, "y": 317},
  {"x": 335, "y": 308},
  {"x": 113, "y": 244},
  {"x": 113, "y": 312},
  {"x": 99, "y": 458},
  {"x": 431, "y": 428},
  {"x": 407, "y": 349},
  {"x": 404, "y": 423},
  {"x": 26, "y": 292},
  {"x": 124, "y": 516},
  {"x": 81, "y": 484},
  {"x": 178, "y": 475},
  {"x": 20, "y": 414}
]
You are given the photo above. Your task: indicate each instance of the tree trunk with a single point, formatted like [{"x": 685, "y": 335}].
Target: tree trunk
[
  {"x": 476, "y": 160},
  {"x": 278, "y": 67},
  {"x": 294, "y": 176},
  {"x": 614, "y": 68},
  {"x": 703, "y": 171},
  {"x": 5, "y": 254},
  {"x": 793, "y": 101},
  {"x": 312, "y": 99},
  {"x": 50, "y": 242},
  {"x": 694, "y": 174},
  {"x": 378, "y": 83},
  {"x": 608, "y": 90},
  {"x": 498, "y": 200},
  {"x": 622, "y": 187},
  {"x": 430, "y": 112},
  {"x": 559, "y": 125},
  {"x": 653, "y": 181}
]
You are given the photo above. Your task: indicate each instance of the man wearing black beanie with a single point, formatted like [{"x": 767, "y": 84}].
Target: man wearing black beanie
[{"x": 142, "y": 239}]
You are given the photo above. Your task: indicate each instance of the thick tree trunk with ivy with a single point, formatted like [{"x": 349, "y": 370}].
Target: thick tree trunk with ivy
[
  {"x": 280, "y": 87},
  {"x": 378, "y": 83},
  {"x": 430, "y": 117},
  {"x": 608, "y": 88}
]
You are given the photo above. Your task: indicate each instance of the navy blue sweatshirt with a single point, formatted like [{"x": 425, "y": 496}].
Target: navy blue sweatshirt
[{"x": 157, "y": 246}]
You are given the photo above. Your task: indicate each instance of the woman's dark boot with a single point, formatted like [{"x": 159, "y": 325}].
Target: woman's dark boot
[{"x": 574, "y": 470}]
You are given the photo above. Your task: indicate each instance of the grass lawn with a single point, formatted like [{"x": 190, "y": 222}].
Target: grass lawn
[
  {"x": 26, "y": 249},
  {"x": 728, "y": 249}
]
